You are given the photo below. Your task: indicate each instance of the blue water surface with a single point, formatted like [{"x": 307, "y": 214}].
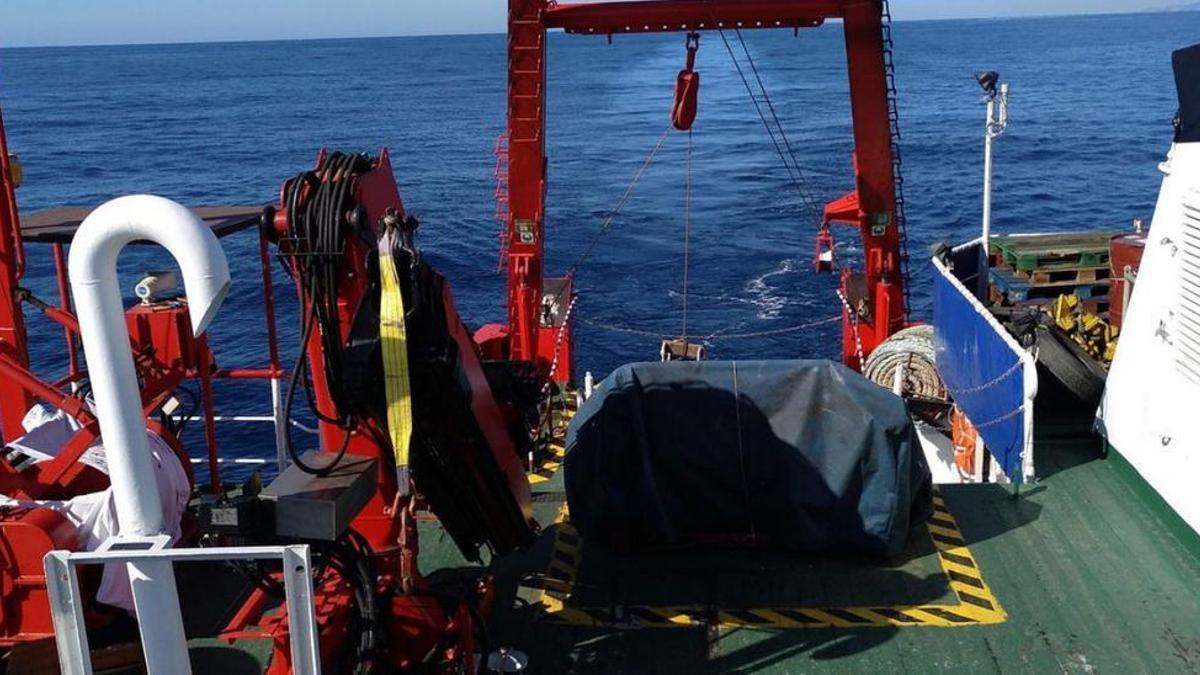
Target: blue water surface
[{"x": 1092, "y": 104}]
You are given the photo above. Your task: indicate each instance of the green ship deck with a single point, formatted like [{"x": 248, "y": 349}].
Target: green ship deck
[{"x": 1083, "y": 571}]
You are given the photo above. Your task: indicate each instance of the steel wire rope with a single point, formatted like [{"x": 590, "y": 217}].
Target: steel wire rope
[
  {"x": 687, "y": 232},
  {"x": 605, "y": 226},
  {"x": 612, "y": 215},
  {"x": 792, "y": 175},
  {"x": 590, "y": 248},
  {"x": 795, "y": 175},
  {"x": 804, "y": 193}
]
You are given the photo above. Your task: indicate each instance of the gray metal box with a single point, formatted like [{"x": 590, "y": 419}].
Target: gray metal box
[{"x": 320, "y": 507}]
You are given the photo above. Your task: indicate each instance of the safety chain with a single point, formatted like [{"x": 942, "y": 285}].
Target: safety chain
[
  {"x": 858, "y": 349},
  {"x": 1003, "y": 418},
  {"x": 889, "y": 64},
  {"x": 558, "y": 340},
  {"x": 619, "y": 329},
  {"x": 767, "y": 333},
  {"x": 711, "y": 337},
  {"x": 990, "y": 383}
]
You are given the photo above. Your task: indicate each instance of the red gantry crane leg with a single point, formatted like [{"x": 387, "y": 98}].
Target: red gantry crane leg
[
  {"x": 876, "y": 294},
  {"x": 527, "y": 172}
]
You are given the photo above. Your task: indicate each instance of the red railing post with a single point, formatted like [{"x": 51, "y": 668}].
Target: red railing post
[{"x": 64, "y": 304}]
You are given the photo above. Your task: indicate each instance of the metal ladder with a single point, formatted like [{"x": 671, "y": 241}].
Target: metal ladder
[
  {"x": 501, "y": 174},
  {"x": 897, "y": 160}
]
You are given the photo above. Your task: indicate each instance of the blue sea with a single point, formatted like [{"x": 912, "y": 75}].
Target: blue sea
[{"x": 1091, "y": 109}]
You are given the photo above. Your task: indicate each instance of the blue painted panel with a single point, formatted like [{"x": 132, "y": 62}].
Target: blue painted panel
[{"x": 983, "y": 372}]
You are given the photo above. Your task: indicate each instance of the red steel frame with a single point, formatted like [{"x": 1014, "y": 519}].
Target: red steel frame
[
  {"x": 15, "y": 374},
  {"x": 53, "y": 475},
  {"x": 417, "y": 619},
  {"x": 20, "y": 386},
  {"x": 65, "y": 476},
  {"x": 881, "y": 310},
  {"x": 377, "y": 192},
  {"x": 15, "y": 397}
]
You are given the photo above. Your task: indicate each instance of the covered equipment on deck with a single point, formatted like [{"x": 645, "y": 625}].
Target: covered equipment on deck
[{"x": 803, "y": 455}]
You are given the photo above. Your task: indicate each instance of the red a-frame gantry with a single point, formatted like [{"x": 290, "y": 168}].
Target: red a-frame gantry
[{"x": 876, "y": 295}]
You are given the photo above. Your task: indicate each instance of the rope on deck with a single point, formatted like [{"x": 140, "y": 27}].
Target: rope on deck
[{"x": 912, "y": 350}]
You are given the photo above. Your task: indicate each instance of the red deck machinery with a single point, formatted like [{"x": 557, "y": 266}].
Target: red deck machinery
[
  {"x": 538, "y": 328},
  {"x": 465, "y": 459},
  {"x": 374, "y": 608},
  {"x": 167, "y": 356},
  {"x": 484, "y": 460}
]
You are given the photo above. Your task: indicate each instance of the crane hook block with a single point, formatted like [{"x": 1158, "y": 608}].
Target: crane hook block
[
  {"x": 687, "y": 88},
  {"x": 825, "y": 258}
]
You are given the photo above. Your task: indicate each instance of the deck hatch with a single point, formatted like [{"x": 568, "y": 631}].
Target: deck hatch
[{"x": 976, "y": 605}]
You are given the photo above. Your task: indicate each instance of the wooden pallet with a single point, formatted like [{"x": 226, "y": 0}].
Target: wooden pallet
[
  {"x": 1060, "y": 273},
  {"x": 1029, "y": 253},
  {"x": 1019, "y": 289}
]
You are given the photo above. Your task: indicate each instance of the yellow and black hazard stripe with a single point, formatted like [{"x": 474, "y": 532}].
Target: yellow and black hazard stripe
[
  {"x": 778, "y": 618},
  {"x": 565, "y": 557},
  {"x": 975, "y": 599},
  {"x": 548, "y": 458},
  {"x": 547, "y": 461},
  {"x": 976, "y": 603}
]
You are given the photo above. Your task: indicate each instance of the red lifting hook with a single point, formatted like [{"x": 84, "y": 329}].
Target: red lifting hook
[{"x": 687, "y": 88}]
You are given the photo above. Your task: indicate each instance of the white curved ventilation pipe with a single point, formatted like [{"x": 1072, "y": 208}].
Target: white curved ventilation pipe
[{"x": 93, "y": 273}]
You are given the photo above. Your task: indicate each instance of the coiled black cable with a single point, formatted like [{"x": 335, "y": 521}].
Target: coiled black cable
[
  {"x": 319, "y": 205},
  {"x": 354, "y": 561}
]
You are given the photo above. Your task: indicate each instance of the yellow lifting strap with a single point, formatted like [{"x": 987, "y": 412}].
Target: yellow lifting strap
[{"x": 393, "y": 340}]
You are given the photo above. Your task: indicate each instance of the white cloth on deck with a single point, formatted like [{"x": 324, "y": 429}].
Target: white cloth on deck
[{"x": 94, "y": 515}]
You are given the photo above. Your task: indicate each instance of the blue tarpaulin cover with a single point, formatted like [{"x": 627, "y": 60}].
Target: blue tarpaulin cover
[
  {"x": 982, "y": 367},
  {"x": 803, "y": 455}
]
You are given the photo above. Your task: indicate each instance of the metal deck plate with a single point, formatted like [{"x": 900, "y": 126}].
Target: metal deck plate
[{"x": 971, "y": 603}]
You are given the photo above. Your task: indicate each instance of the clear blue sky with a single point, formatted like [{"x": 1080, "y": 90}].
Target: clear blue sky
[{"x": 66, "y": 22}]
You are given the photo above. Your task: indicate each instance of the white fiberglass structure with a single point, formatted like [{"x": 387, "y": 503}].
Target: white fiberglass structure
[{"x": 1150, "y": 413}]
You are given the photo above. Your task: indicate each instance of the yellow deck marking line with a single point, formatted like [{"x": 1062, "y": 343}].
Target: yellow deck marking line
[
  {"x": 944, "y": 531},
  {"x": 976, "y": 604},
  {"x": 549, "y": 457},
  {"x": 559, "y": 579}
]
